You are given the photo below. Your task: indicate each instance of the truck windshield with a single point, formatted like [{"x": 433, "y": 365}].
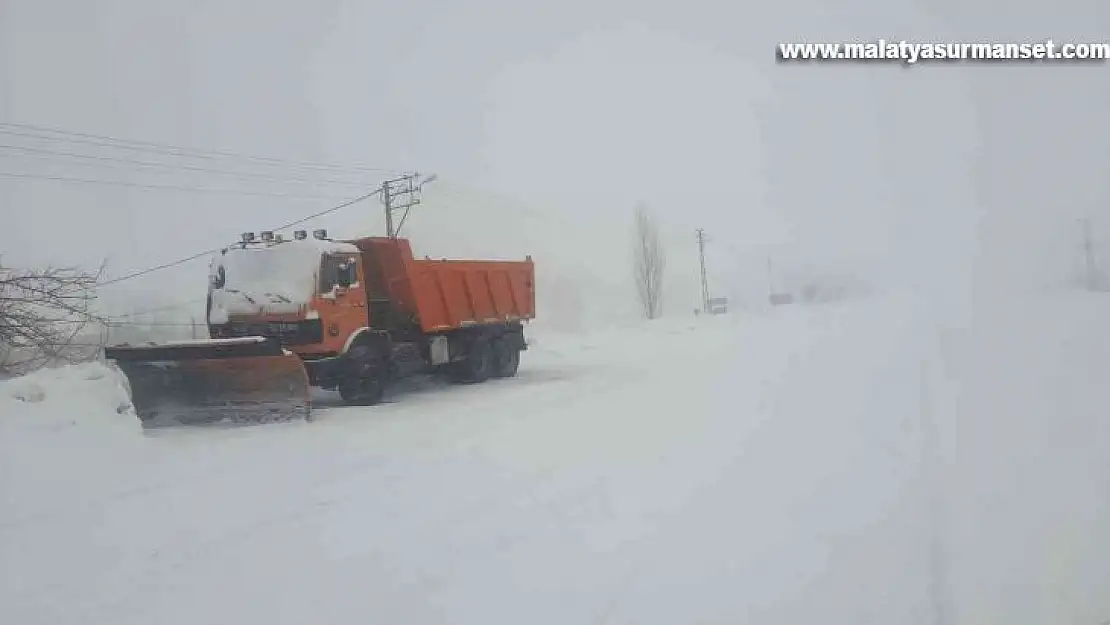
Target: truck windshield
[
  {"x": 338, "y": 270},
  {"x": 283, "y": 273},
  {"x": 276, "y": 279}
]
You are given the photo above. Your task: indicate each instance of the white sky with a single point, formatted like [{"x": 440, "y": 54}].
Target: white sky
[{"x": 548, "y": 122}]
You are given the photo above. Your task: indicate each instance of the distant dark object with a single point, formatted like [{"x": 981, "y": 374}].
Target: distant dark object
[
  {"x": 718, "y": 305},
  {"x": 781, "y": 299},
  {"x": 777, "y": 299}
]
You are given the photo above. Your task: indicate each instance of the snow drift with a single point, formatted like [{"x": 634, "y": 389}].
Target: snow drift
[
  {"x": 66, "y": 435},
  {"x": 91, "y": 397}
]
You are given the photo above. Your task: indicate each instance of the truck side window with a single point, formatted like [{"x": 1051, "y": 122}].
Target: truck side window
[
  {"x": 338, "y": 271},
  {"x": 346, "y": 274}
]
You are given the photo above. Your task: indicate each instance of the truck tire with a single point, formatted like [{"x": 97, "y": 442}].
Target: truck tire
[
  {"x": 362, "y": 383},
  {"x": 506, "y": 358},
  {"x": 361, "y": 391},
  {"x": 478, "y": 365}
]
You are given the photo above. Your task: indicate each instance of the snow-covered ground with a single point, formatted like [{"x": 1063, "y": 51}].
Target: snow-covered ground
[{"x": 862, "y": 462}]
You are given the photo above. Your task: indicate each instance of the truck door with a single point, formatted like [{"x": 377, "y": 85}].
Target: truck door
[{"x": 342, "y": 294}]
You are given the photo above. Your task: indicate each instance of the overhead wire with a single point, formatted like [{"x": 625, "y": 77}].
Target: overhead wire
[
  {"x": 45, "y": 153},
  {"x": 165, "y": 307},
  {"x": 36, "y": 132},
  {"x": 163, "y": 187},
  {"x": 143, "y": 272},
  {"x": 193, "y": 257},
  {"x": 113, "y": 323},
  {"x": 167, "y": 149},
  {"x": 145, "y": 311}
]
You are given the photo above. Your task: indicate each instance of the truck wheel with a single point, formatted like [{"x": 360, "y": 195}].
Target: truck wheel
[
  {"x": 507, "y": 359},
  {"x": 362, "y": 384},
  {"x": 478, "y": 365},
  {"x": 362, "y": 391}
]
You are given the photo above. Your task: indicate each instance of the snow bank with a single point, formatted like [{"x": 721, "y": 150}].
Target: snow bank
[
  {"x": 90, "y": 397},
  {"x": 65, "y": 434}
]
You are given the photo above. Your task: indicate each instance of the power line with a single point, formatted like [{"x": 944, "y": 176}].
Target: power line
[
  {"x": 329, "y": 210},
  {"x": 174, "y": 263},
  {"x": 140, "y": 163},
  {"x": 164, "y": 187},
  {"x": 143, "y": 311},
  {"x": 187, "y": 259},
  {"x": 151, "y": 146},
  {"x": 152, "y": 324},
  {"x": 112, "y": 323}
]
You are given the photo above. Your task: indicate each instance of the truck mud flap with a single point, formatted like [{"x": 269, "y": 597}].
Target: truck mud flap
[{"x": 247, "y": 380}]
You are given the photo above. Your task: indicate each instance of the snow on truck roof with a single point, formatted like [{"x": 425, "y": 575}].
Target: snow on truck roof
[
  {"x": 307, "y": 251},
  {"x": 294, "y": 246}
]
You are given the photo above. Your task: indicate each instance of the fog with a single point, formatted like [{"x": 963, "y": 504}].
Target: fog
[
  {"x": 549, "y": 123},
  {"x": 961, "y": 184}
]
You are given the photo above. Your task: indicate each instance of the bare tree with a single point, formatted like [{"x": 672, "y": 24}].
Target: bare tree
[
  {"x": 649, "y": 262},
  {"x": 43, "y": 313}
]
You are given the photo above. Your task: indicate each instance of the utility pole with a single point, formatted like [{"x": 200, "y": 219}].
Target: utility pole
[
  {"x": 1091, "y": 276},
  {"x": 938, "y": 586},
  {"x": 387, "y": 200},
  {"x": 401, "y": 194},
  {"x": 770, "y": 279},
  {"x": 704, "y": 280}
]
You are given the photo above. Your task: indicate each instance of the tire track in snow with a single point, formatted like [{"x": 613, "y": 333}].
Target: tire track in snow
[
  {"x": 338, "y": 470},
  {"x": 349, "y": 471},
  {"x": 454, "y": 431}
]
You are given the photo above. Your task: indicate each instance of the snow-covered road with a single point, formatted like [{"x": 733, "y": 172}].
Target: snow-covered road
[{"x": 758, "y": 469}]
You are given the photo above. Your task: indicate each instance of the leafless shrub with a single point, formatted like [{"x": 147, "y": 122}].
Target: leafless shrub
[
  {"x": 649, "y": 262},
  {"x": 43, "y": 314}
]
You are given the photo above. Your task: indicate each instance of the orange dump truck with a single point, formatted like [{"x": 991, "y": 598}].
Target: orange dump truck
[{"x": 287, "y": 315}]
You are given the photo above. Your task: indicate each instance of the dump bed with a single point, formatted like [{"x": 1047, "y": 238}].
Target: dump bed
[{"x": 448, "y": 294}]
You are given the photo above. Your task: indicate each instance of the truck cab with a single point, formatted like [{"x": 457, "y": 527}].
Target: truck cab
[{"x": 308, "y": 294}]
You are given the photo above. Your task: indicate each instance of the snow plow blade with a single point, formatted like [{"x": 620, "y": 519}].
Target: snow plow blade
[{"x": 243, "y": 380}]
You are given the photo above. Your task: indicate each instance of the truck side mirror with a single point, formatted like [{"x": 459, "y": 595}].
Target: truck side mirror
[{"x": 218, "y": 279}]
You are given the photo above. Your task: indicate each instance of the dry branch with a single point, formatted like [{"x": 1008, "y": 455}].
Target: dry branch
[{"x": 42, "y": 313}]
